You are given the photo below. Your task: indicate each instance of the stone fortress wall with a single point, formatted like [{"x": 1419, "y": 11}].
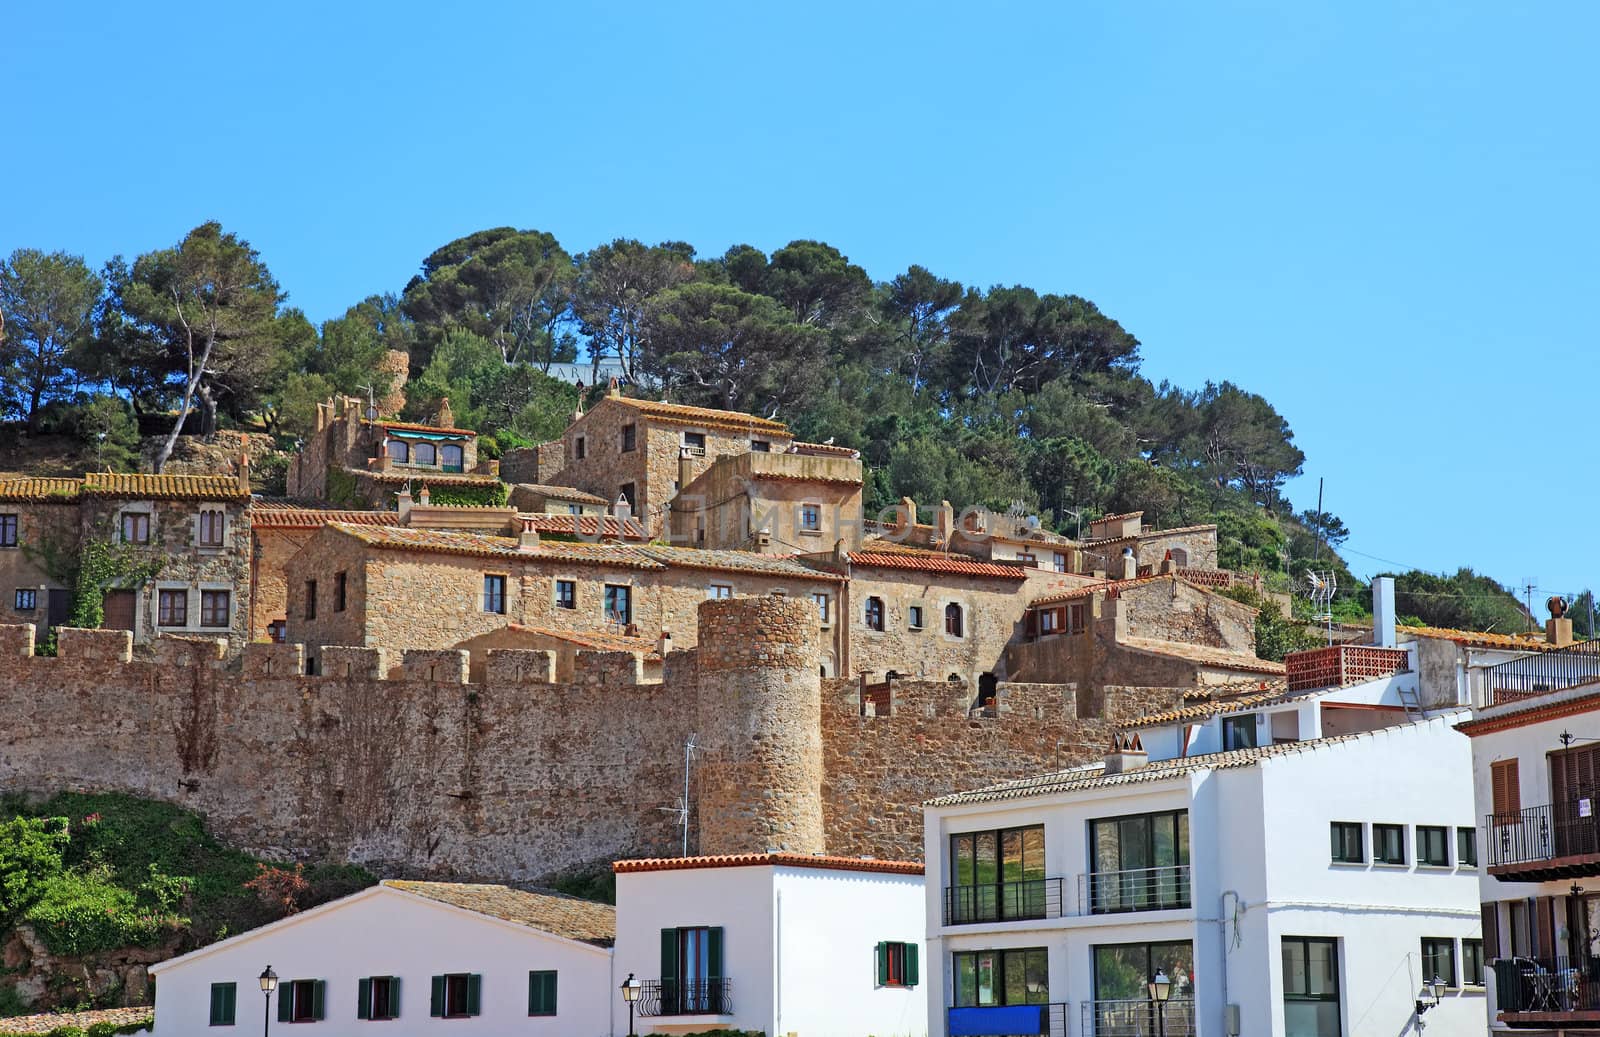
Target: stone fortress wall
[{"x": 517, "y": 777}]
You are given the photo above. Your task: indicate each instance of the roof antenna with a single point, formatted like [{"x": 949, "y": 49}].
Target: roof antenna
[
  {"x": 1323, "y": 586},
  {"x": 682, "y": 809},
  {"x": 372, "y": 403}
]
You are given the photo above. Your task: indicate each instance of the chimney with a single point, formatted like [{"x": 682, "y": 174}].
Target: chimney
[
  {"x": 244, "y": 473},
  {"x": 685, "y": 469},
  {"x": 841, "y": 554},
  {"x": 528, "y": 539},
  {"x": 622, "y": 510},
  {"x": 664, "y": 643},
  {"x": 1558, "y": 628},
  {"x": 1166, "y": 562},
  {"x": 1130, "y": 564},
  {"x": 945, "y": 522},
  {"x": 422, "y": 497},
  {"x": 403, "y": 501},
  {"x": 1127, "y": 754},
  {"x": 446, "y": 417},
  {"x": 905, "y": 516},
  {"x": 1383, "y": 612},
  {"x": 614, "y": 388}
]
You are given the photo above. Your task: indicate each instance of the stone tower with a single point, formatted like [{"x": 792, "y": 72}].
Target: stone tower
[{"x": 759, "y": 777}]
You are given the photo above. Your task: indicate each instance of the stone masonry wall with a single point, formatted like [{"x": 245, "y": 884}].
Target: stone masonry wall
[{"x": 1171, "y": 610}]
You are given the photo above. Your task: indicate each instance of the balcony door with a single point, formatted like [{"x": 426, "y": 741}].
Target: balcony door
[
  {"x": 1139, "y": 862},
  {"x": 691, "y": 970},
  {"x": 1575, "y": 800},
  {"x": 997, "y": 875}
]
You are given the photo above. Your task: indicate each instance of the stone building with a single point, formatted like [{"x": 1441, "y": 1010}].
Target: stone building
[
  {"x": 278, "y": 529},
  {"x": 555, "y": 500},
  {"x": 181, "y": 544},
  {"x": 797, "y": 502},
  {"x": 1116, "y": 537}
]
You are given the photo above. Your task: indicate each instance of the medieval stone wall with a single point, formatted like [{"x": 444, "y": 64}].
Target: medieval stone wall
[{"x": 1172, "y": 610}]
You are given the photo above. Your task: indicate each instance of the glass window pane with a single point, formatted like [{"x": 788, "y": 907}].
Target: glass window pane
[
  {"x": 966, "y": 970},
  {"x": 1033, "y": 853},
  {"x": 961, "y": 852},
  {"x": 1038, "y": 977},
  {"x": 1294, "y": 968},
  {"x": 1016, "y": 977},
  {"x": 986, "y": 979},
  {"x": 1011, "y": 850}
]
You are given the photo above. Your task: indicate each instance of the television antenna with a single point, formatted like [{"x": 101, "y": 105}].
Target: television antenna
[
  {"x": 1322, "y": 587},
  {"x": 372, "y": 403},
  {"x": 1077, "y": 517},
  {"x": 682, "y": 809},
  {"x": 1529, "y": 585}
]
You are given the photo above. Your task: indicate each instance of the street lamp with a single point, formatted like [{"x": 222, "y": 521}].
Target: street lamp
[
  {"x": 269, "y": 983},
  {"x": 1160, "y": 990},
  {"x": 1429, "y": 996},
  {"x": 630, "y": 994}
]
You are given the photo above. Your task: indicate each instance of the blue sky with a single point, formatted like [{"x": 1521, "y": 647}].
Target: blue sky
[{"x": 1382, "y": 217}]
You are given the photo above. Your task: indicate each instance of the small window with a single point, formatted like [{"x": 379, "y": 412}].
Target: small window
[
  {"x": 566, "y": 594},
  {"x": 378, "y": 998},
  {"x": 629, "y": 438},
  {"x": 224, "y": 1001},
  {"x": 1506, "y": 791},
  {"x": 574, "y": 509},
  {"x": 455, "y": 996},
  {"x": 339, "y": 585},
  {"x": 1049, "y": 621},
  {"x": 172, "y": 608},
  {"x": 1077, "y": 618},
  {"x": 913, "y": 617},
  {"x": 719, "y": 590},
  {"x": 1347, "y": 848},
  {"x": 542, "y": 992},
  {"x": 1467, "y": 847},
  {"x": 810, "y": 518},
  {"x": 8, "y": 531},
  {"x": 821, "y": 601},
  {"x": 424, "y": 453},
  {"x": 1061, "y": 562},
  {"x": 301, "y": 1001},
  {"x": 136, "y": 527},
  {"x": 214, "y": 608},
  {"x": 212, "y": 524},
  {"x": 580, "y": 448},
  {"x": 494, "y": 594},
  {"x": 451, "y": 459},
  {"x": 1239, "y": 732},
  {"x": 397, "y": 451},
  {"x": 311, "y": 599},
  {"x": 1439, "y": 960},
  {"x": 873, "y": 614},
  {"x": 760, "y": 446},
  {"x": 27, "y": 600},
  {"x": 618, "y": 604},
  {"x": 1389, "y": 844},
  {"x": 1026, "y": 558},
  {"x": 953, "y": 620},
  {"x": 695, "y": 443},
  {"x": 1472, "y": 962},
  {"x": 1433, "y": 846},
  {"x": 897, "y": 964},
  {"x": 278, "y": 631}
]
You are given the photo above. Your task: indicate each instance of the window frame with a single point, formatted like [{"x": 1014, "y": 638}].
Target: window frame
[
  {"x": 311, "y": 599},
  {"x": 1232, "y": 724},
  {"x": 955, "y": 620},
  {"x": 915, "y": 619},
  {"x": 1337, "y": 830},
  {"x": 1334, "y": 996},
  {"x": 1448, "y": 946},
  {"x": 229, "y": 1006},
  {"x": 1060, "y": 562},
  {"x": 580, "y": 448},
  {"x": 821, "y": 601},
  {"x": 1005, "y": 958},
  {"x": 495, "y": 591},
  {"x": 1124, "y": 889},
  {"x": 569, "y": 600},
  {"x": 208, "y": 597},
  {"x": 617, "y": 592},
  {"x": 537, "y": 995},
  {"x": 715, "y": 591},
  {"x": 367, "y": 990},
  {"x": 1472, "y": 963},
  {"x": 873, "y": 613},
  {"x": 397, "y": 450},
  {"x": 897, "y": 965},
  {"x": 164, "y": 615},
  {"x": 628, "y": 438},
  {"x": 425, "y": 453},
  {"x": 809, "y": 518},
  {"x": 1379, "y": 831},
  {"x": 211, "y": 520},
  {"x": 10, "y": 529},
  {"x": 1466, "y": 847},
  {"x": 458, "y": 452},
  {"x": 28, "y": 594},
  {"x": 1427, "y": 834},
  {"x": 341, "y": 583},
  {"x": 140, "y": 522}
]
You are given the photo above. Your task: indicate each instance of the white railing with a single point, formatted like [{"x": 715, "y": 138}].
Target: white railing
[{"x": 1136, "y": 889}]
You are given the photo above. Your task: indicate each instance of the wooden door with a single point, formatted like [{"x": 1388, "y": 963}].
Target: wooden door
[
  {"x": 1575, "y": 798},
  {"x": 119, "y": 608},
  {"x": 59, "y": 607}
]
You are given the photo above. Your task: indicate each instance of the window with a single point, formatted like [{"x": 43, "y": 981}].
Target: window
[
  {"x": 278, "y": 631},
  {"x": 1347, "y": 847},
  {"x": 212, "y": 523},
  {"x": 1467, "y": 847},
  {"x": 172, "y": 608},
  {"x": 214, "y": 608},
  {"x": 695, "y": 443},
  {"x": 27, "y": 600},
  {"x": 691, "y": 971},
  {"x": 301, "y": 1001},
  {"x": 378, "y": 997},
  {"x": 1139, "y": 862},
  {"x": 451, "y": 458},
  {"x": 542, "y": 992},
  {"x": 8, "y": 531},
  {"x": 224, "y": 1000},
  {"x": 897, "y": 964},
  {"x": 339, "y": 585},
  {"x": 396, "y": 449},
  {"x": 1472, "y": 963},
  {"x": 1311, "y": 986},
  {"x": 997, "y": 874},
  {"x": 1027, "y": 558},
  {"x": 1439, "y": 960},
  {"x": 1521, "y": 935},
  {"x": 1389, "y": 844},
  {"x": 566, "y": 594},
  {"x": 1433, "y": 846},
  {"x": 629, "y": 438},
  {"x": 1239, "y": 732},
  {"x": 1049, "y": 621},
  {"x": 760, "y": 446},
  {"x": 494, "y": 594},
  {"x": 1011, "y": 977},
  {"x": 580, "y": 448},
  {"x": 1061, "y": 562},
  {"x": 873, "y": 615},
  {"x": 1122, "y": 973},
  {"x": 1507, "y": 791},
  {"x": 810, "y": 518},
  {"x": 1077, "y": 618},
  {"x": 821, "y": 601},
  {"x": 311, "y": 599},
  {"x": 424, "y": 453},
  {"x": 952, "y": 620},
  {"x": 618, "y": 604},
  {"x": 718, "y": 591},
  {"x": 913, "y": 617},
  {"x": 136, "y": 527},
  {"x": 455, "y": 996}
]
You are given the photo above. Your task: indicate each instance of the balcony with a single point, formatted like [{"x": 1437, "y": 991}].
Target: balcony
[
  {"x": 1556, "y": 841},
  {"x": 1004, "y": 901},
  {"x": 1546, "y": 993},
  {"x": 1007, "y": 1020},
  {"x": 1339, "y": 665},
  {"x": 667, "y": 997},
  {"x": 1137, "y": 889},
  {"x": 1518, "y": 679},
  {"x": 1140, "y": 1018}
]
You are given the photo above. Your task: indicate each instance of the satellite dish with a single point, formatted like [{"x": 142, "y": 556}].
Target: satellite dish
[{"x": 372, "y": 413}]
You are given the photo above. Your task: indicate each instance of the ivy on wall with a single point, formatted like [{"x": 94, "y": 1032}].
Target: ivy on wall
[
  {"x": 342, "y": 490},
  {"x": 493, "y": 495},
  {"x": 90, "y": 568}
]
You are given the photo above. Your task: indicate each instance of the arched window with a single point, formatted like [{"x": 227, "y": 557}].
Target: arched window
[
  {"x": 450, "y": 457},
  {"x": 952, "y": 620},
  {"x": 1180, "y": 558},
  {"x": 874, "y": 614},
  {"x": 423, "y": 453},
  {"x": 397, "y": 451}
]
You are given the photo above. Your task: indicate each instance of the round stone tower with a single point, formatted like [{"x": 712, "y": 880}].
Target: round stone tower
[{"x": 758, "y": 779}]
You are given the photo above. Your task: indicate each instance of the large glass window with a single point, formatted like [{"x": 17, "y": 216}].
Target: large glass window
[
  {"x": 1139, "y": 862},
  {"x": 423, "y": 453},
  {"x": 450, "y": 457},
  {"x": 1310, "y": 987},
  {"x": 1239, "y": 732},
  {"x": 397, "y": 450},
  {"x": 618, "y": 604},
  {"x": 997, "y": 875},
  {"x": 1012, "y": 977},
  {"x": 1439, "y": 959},
  {"x": 1122, "y": 974}
]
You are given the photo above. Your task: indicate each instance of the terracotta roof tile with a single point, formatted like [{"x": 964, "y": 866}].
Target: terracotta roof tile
[
  {"x": 682, "y": 414},
  {"x": 63, "y": 491},
  {"x": 277, "y": 515},
  {"x": 1113, "y": 587},
  {"x": 757, "y": 860},
  {"x": 595, "y": 639},
  {"x": 934, "y": 561},
  {"x": 1474, "y": 639},
  {"x": 594, "y": 526},
  {"x": 425, "y": 478},
  {"x": 556, "y": 913},
  {"x": 1277, "y": 692},
  {"x": 566, "y": 493},
  {"x": 735, "y": 561},
  {"x": 1205, "y": 655},
  {"x": 164, "y": 487},
  {"x": 823, "y": 449}
]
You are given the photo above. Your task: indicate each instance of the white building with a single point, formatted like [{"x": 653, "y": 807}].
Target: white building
[
  {"x": 782, "y": 943},
  {"x": 407, "y": 957},
  {"x": 1303, "y": 887}
]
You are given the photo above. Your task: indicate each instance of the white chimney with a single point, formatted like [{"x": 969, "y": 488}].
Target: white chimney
[
  {"x": 622, "y": 509},
  {"x": 1130, "y": 564},
  {"x": 1383, "y": 611},
  {"x": 1127, "y": 753},
  {"x": 664, "y": 645}
]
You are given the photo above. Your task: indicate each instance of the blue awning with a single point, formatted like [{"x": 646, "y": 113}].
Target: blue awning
[
  {"x": 997, "y": 1021},
  {"x": 437, "y": 437}
]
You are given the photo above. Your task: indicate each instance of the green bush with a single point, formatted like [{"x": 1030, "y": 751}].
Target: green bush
[
  {"x": 67, "y": 1031},
  {"x": 79, "y": 914},
  {"x": 102, "y": 1030}
]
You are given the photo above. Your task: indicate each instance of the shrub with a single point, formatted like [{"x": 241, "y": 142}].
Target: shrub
[
  {"x": 67, "y": 1031},
  {"x": 102, "y": 1030},
  {"x": 78, "y": 914}
]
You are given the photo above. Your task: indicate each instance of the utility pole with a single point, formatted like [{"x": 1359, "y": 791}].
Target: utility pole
[
  {"x": 1316, "y": 553},
  {"x": 1529, "y": 585}
]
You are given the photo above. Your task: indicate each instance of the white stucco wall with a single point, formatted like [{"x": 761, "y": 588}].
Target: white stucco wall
[{"x": 385, "y": 932}]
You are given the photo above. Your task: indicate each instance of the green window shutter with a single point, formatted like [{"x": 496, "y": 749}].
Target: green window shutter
[
  {"x": 394, "y": 997},
  {"x": 550, "y": 992},
  {"x": 364, "y": 999},
  {"x": 911, "y": 965},
  {"x": 231, "y": 998},
  {"x": 474, "y": 989},
  {"x": 217, "y": 1004},
  {"x": 883, "y": 964},
  {"x": 535, "y": 993},
  {"x": 436, "y": 998},
  {"x": 542, "y": 993},
  {"x": 714, "y": 952},
  {"x": 669, "y": 967},
  {"x": 318, "y": 988},
  {"x": 286, "y": 1002}
]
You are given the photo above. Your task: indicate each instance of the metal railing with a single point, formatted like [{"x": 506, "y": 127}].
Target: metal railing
[
  {"x": 1137, "y": 889},
  {"x": 1518, "y": 679},
  {"x": 1139, "y": 1018},
  {"x": 691, "y": 997},
  {"x": 1052, "y": 1018},
  {"x": 1004, "y": 901},
  {"x": 1566, "y": 829},
  {"x": 1546, "y": 985}
]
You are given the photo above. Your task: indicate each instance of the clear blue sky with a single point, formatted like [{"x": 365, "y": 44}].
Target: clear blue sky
[{"x": 1380, "y": 216}]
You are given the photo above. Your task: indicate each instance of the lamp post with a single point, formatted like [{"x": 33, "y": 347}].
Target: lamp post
[
  {"x": 1429, "y": 996},
  {"x": 1160, "y": 990},
  {"x": 630, "y": 994},
  {"x": 269, "y": 983}
]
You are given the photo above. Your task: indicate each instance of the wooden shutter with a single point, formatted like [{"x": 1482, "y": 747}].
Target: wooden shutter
[
  {"x": 1507, "y": 790},
  {"x": 714, "y": 953},
  {"x": 883, "y": 964},
  {"x": 1544, "y": 912},
  {"x": 669, "y": 967},
  {"x": 911, "y": 965},
  {"x": 364, "y": 999},
  {"x": 1491, "y": 931},
  {"x": 318, "y": 988},
  {"x": 286, "y": 1002},
  {"x": 474, "y": 993},
  {"x": 436, "y": 997}
]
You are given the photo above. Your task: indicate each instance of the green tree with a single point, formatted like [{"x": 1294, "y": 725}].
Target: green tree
[
  {"x": 612, "y": 294},
  {"x": 48, "y": 301},
  {"x": 108, "y": 434},
  {"x": 918, "y": 305},
  {"x": 31, "y": 850}
]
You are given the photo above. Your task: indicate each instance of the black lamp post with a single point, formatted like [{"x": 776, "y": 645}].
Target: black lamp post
[
  {"x": 1429, "y": 997},
  {"x": 630, "y": 994},
  {"x": 1160, "y": 990},
  {"x": 269, "y": 983}
]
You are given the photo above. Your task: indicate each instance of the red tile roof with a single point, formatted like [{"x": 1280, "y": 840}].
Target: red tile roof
[
  {"x": 798, "y": 447},
  {"x": 164, "y": 487},
  {"x": 1205, "y": 655},
  {"x": 607, "y": 526},
  {"x": 584, "y": 920},
  {"x": 425, "y": 478},
  {"x": 1095, "y": 588},
  {"x": 1474, "y": 639},
  {"x": 280, "y": 515},
  {"x": 777, "y": 859},
  {"x": 51, "y": 491},
  {"x": 934, "y": 561},
  {"x": 566, "y": 493},
  {"x": 681, "y": 414}
]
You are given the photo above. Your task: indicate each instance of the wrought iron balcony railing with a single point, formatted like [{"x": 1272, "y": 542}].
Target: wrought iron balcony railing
[
  {"x": 1004, "y": 901},
  {"x": 692, "y": 997},
  {"x": 1546, "y": 985},
  {"x": 1139, "y": 1018},
  {"x": 1544, "y": 833},
  {"x": 1137, "y": 889}
]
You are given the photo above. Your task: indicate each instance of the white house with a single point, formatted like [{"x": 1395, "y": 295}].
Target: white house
[
  {"x": 450, "y": 959},
  {"x": 1303, "y": 887},
  {"x": 782, "y": 943}
]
